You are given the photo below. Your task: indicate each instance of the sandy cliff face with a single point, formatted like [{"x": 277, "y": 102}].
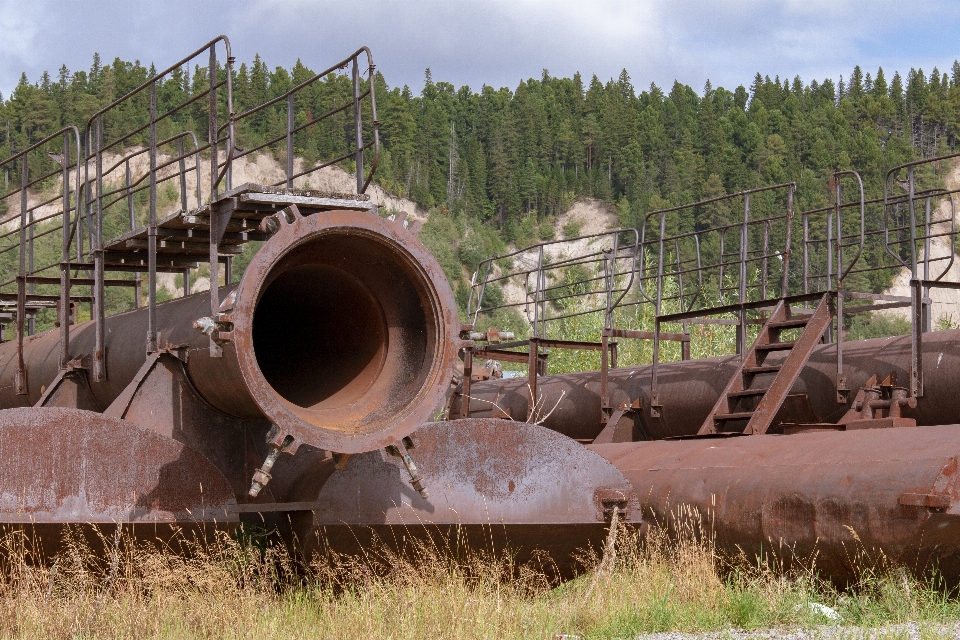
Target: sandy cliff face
[{"x": 946, "y": 302}]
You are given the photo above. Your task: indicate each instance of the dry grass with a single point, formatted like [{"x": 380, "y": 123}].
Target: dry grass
[{"x": 228, "y": 589}]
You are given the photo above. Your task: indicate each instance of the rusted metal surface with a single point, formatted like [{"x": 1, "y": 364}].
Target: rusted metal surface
[
  {"x": 163, "y": 399},
  {"x": 338, "y": 335},
  {"x": 343, "y": 335},
  {"x": 688, "y": 390},
  {"x": 880, "y": 401},
  {"x": 493, "y": 484},
  {"x": 344, "y": 328},
  {"x": 876, "y": 406},
  {"x": 73, "y": 466},
  {"x": 894, "y": 492}
]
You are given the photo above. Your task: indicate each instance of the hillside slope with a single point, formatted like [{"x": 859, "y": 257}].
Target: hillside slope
[{"x": 946, "y": 302}]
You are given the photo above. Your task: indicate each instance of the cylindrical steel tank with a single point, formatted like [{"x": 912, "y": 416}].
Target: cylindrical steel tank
[
  {"x": 839, "y": 500},
  {"x": 689, "y": 389},
  {"x": 339, "y": 333}
]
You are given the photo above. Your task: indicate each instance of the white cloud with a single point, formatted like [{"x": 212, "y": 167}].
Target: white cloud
[
  {"x": 497, "y": 42},
  {"x": 19, "y": 28}
]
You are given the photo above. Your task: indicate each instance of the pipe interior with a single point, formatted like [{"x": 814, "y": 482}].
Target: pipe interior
[
  {"x": 319, "y": 335},
  {"x": 340, "y": 325}
]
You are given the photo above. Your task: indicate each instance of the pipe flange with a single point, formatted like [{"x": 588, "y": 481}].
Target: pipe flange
[{"x": 360, "y": 348}]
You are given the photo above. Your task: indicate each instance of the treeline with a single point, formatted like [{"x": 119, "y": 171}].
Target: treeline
[
  {"x": 34, "y": 110},
  {"x": 503, "y": 155},
  {"x": 503, "y": 163}
]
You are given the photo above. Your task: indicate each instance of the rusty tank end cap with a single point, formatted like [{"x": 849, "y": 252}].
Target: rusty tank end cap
[
  {"x": 345, "y": 331},
  {"x": 486, "y": 472},
  {"x": 67, "y": 466}
]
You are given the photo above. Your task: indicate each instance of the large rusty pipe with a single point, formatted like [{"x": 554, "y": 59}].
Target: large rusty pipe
[
  {"x": 338, "y": 333},
  {"x": 688, "y": 390},
  {"x": 893, "y": 494}
]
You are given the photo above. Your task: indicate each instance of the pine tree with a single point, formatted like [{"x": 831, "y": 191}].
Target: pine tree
[{"x": 880, "y": 84}]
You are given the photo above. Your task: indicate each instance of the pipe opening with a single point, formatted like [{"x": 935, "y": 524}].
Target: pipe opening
[
  {"x": 346, "y": 331},
  {"x": 320, "y": 336}
]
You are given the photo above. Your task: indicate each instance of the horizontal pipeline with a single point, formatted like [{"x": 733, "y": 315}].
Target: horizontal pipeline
[{"x": 689, "y": 389}]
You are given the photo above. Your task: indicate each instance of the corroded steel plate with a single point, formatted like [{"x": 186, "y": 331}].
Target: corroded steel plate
[
  {"x": 841, "y": 499},
  {"x": 73, "y": 466},
  {"x": 493, "y": 485}
]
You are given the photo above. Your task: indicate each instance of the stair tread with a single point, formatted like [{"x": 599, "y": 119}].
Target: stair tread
[
  {"x": 739, "y": 415},
  {"x": 777, "y": 346},
  {"x": 765, "y": 368},
  {"x": 747, "y": 392},
  {"x": 791, "y": 322}
]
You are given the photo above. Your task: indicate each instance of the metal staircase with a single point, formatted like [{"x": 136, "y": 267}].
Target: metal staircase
[
  {"x": 751, "y": 398},
  {"x": 183, "y": 237},
  {"x": 119, "y": 180}
]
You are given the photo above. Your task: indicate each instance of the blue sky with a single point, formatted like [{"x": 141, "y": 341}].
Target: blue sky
[{"x": 497, "y": 42}]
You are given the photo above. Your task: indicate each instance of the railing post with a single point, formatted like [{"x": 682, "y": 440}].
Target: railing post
[
  {"x": 841, "y": 379},
  {"x": 916, "y": 344},
  {"x": 87, "y": 204},
  {"x": 913, "y": 224},
  {"x": 927, "y": 316},
  {"x": 197, "y": 164},
  {"x": 744, "y": 253},
  {"x": 764, "y": 262},
  {"x": 654, "y": 383},
  {"x": 231, "y": 132},
  {"x": 152, "y": 230},
  {"x": 290, "y": 141},
  {"x": 358, "y": 125},
  {"x": 212, "y": 135},
  {"x": 131, "y": 214},
  {"x": 538, "y": 297},
  {"x": 21, "y": 277},
  {"x": 183, "y": 175},
  {"x": 64, "y": 311},
  {"x": 214, "y": 255},
  {"x": 723, "y": 253},
  {"x": 604, "y": 367},
  {"x": 31, "y": 287},
  {"x": 787, "y": 251},
  {"x": 534, "y": 366},
  {"x": 99, "y": 360},
  {"x": 829, "y": 251},
  {"x": 679, "y": 263}
]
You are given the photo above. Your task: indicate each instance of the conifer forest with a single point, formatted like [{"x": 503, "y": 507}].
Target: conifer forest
[{"x": 500, "y": 164}]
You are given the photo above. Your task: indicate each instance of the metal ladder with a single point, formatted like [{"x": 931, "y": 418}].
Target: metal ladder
[{"x": 746, "y": 399}]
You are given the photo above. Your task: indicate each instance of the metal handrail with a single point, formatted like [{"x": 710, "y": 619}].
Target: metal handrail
[
  {"x": 27, "y": 234},
  {"x": 127, "y": 191},
  {"x": 659, "y": 241},
  {"x": 612, "y": 283},
  {"x": 921, "y": 318},
  {"x": 835, "y": 271},
  {"x": 97, "y": 194},
  {"x": 926, "y": 236},
  {"x": 363, "y": 181}
]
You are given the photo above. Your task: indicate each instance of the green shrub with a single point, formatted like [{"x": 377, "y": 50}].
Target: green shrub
[{"x": 876, "y": 325}]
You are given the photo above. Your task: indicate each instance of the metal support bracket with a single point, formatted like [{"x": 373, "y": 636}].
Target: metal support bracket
[
  {"x": 401, "y": 450},
  {"x": 220, "y": 215}
]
